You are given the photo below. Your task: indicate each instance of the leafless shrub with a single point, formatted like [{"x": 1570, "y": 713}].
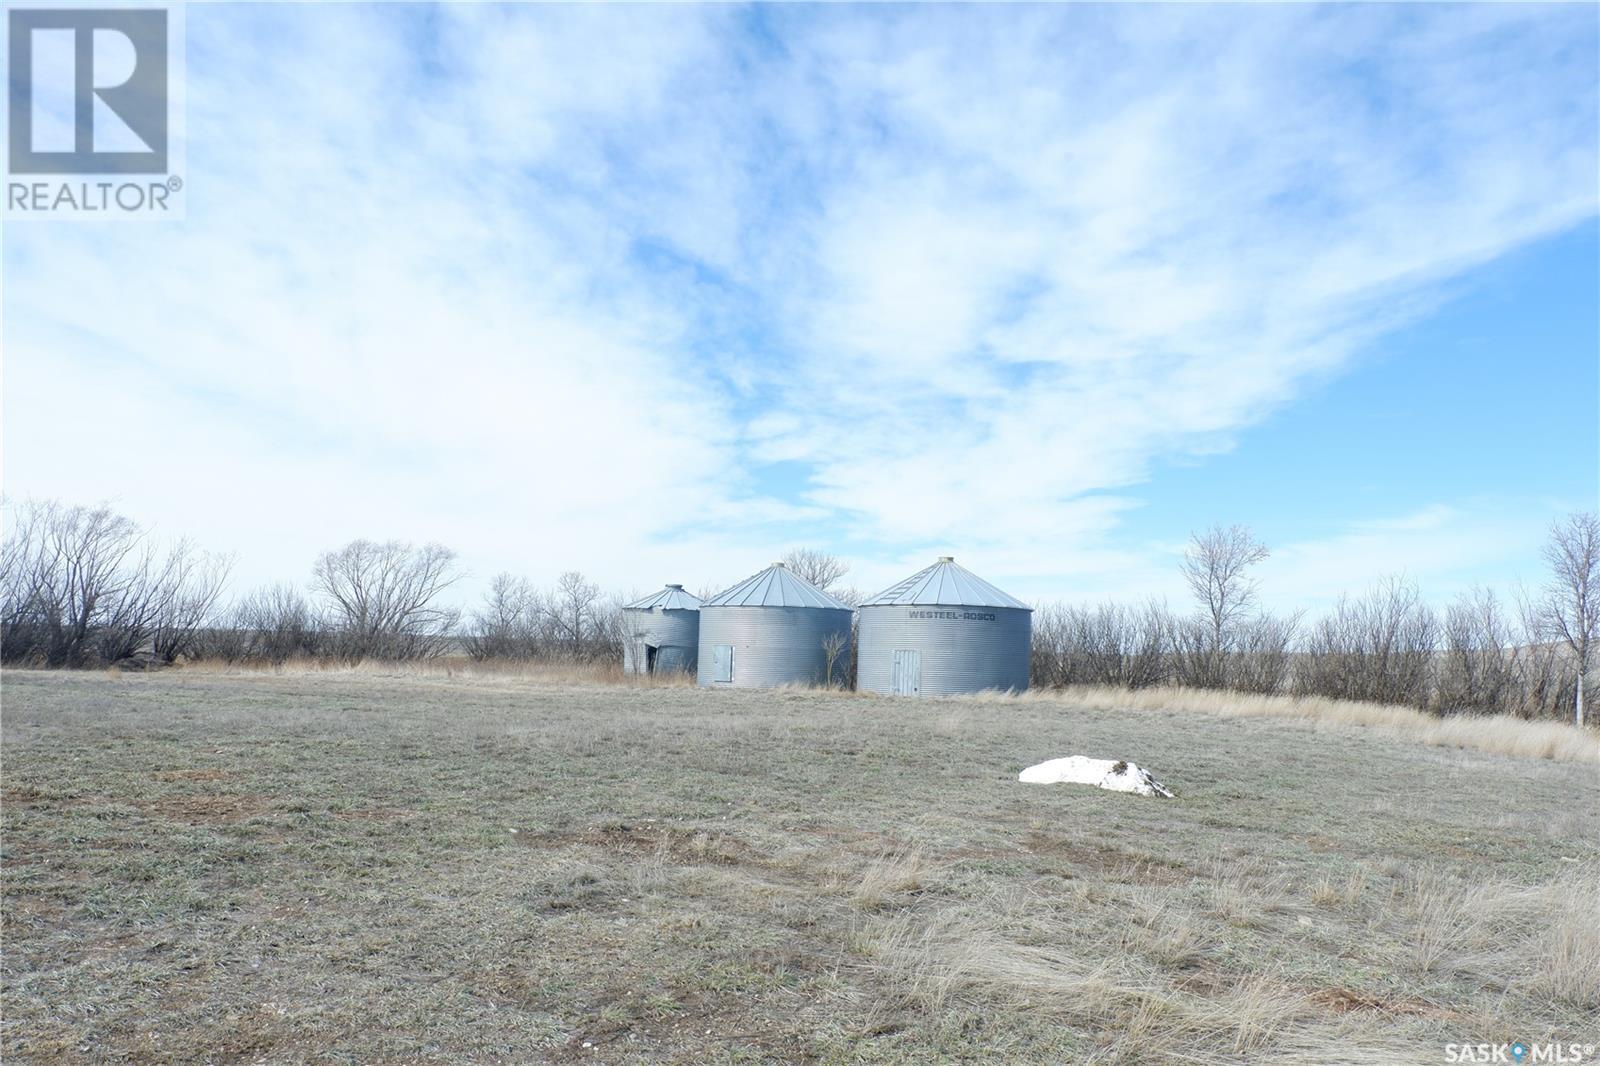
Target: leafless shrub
[
  {"x": 1478, "y": 668},
  {"x": 1378, "y": 648},
  {"x": 1197, "y": 660},
  {"x": 835, "y": 654},
  {"x": 272, "y": 625},
  {"x": 23, "y": 570},
  {"x": 608, "y": 632},
  {"x": 1109, "y": 644},
  {"x": 1045, "y": 652},
  {"x": 1262, "y": 655},
  {"x": 381, "y": 599},
  {"x": 1127, "y": 646}
]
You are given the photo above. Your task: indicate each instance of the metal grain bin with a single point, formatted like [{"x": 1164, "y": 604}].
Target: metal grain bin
[
  {"x": 772, "y": 629},
  {"x": 661, "y": 633},
  {"x": 942, "y": 631}
]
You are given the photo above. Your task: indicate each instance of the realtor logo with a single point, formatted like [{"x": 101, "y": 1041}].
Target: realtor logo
[
  {"x": 90, "y": 93},
  {"x": 117, "y": 72}
]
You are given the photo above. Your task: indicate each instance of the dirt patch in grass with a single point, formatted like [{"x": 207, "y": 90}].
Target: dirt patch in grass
[
  {"x": 1075, "y": 859},
  {"x": 208, "y": 809},
  {"x": 192, "y": 775},
  {"x": 376, "y": 814},
  {"x": 1086, "y": 859},
  {"x": 672, "y": 843},
  {"x": 1346, "y": 1000},
  {"x": 621, "y": 1023}
]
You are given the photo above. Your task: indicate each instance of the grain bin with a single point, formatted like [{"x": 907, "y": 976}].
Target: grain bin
[
  {"x": 772, "y": 629},
  {"x": 661, "y": 633},
  {"x": 942, "y": 631}
]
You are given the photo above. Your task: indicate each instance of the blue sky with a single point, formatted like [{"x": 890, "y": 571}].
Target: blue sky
[{"x": 657, "y": 293}]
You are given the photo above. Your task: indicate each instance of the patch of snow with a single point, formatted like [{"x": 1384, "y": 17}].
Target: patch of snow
[{"x": 1116, "y": 775}]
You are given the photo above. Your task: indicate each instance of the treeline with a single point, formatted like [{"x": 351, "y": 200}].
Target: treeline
[
  {"x": 572, "y": 622},
  {"x": 1386, "y": 645},
  {"x": 83, "y": 586}
]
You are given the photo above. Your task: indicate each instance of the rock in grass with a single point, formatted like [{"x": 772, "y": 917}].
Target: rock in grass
[{"x": 1116, "y": 775}]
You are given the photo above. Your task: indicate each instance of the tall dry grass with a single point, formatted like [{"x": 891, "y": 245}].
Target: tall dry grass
[
  {"x": 448, "y": 668},
  {"x": 1017, "y": 950},
  {"x": 1543, "y": 936},
  {"x": 1496, "y": 734},
  {"x": 1161, "y": 984}
]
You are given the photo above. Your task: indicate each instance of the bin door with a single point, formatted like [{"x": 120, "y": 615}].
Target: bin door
[
  {"x": 722, "y": 663},
  {"x": 907, "y": 675}
]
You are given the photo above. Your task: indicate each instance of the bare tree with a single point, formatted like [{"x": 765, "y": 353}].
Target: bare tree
[
  {"x": 24, "y": 560},
  {"x": 819, "y": 568},
  {"x": 165, "y": 598},
  {"x": 70, "y": 574},
  {"x": 1216, "y": 566},
  {"x": 21, "y": 571},
  {"x": 507, "y": 625},
  {"x": 849, "y": 595},
  {"x": 184, "y": 598},
  {"x": 572, "y": 611},
  {"x": 1570, "y": 610},
  {"x": 382, "y": 598},
  {"x": 1546, "y": 682}
]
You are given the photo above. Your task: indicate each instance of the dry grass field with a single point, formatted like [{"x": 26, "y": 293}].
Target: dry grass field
[{"x": 352, "y": 867}]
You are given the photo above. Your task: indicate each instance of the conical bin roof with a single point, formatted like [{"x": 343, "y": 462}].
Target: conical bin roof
[
  {"x": 945, "y": 584},
  {"x": 776, "y": 586}
]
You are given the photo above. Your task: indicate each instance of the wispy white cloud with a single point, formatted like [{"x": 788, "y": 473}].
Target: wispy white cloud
[
  {"x": 1084, "y": 247},
  {"x": 1444, "y": 549},
  {"x": 554, "y": 284}
]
